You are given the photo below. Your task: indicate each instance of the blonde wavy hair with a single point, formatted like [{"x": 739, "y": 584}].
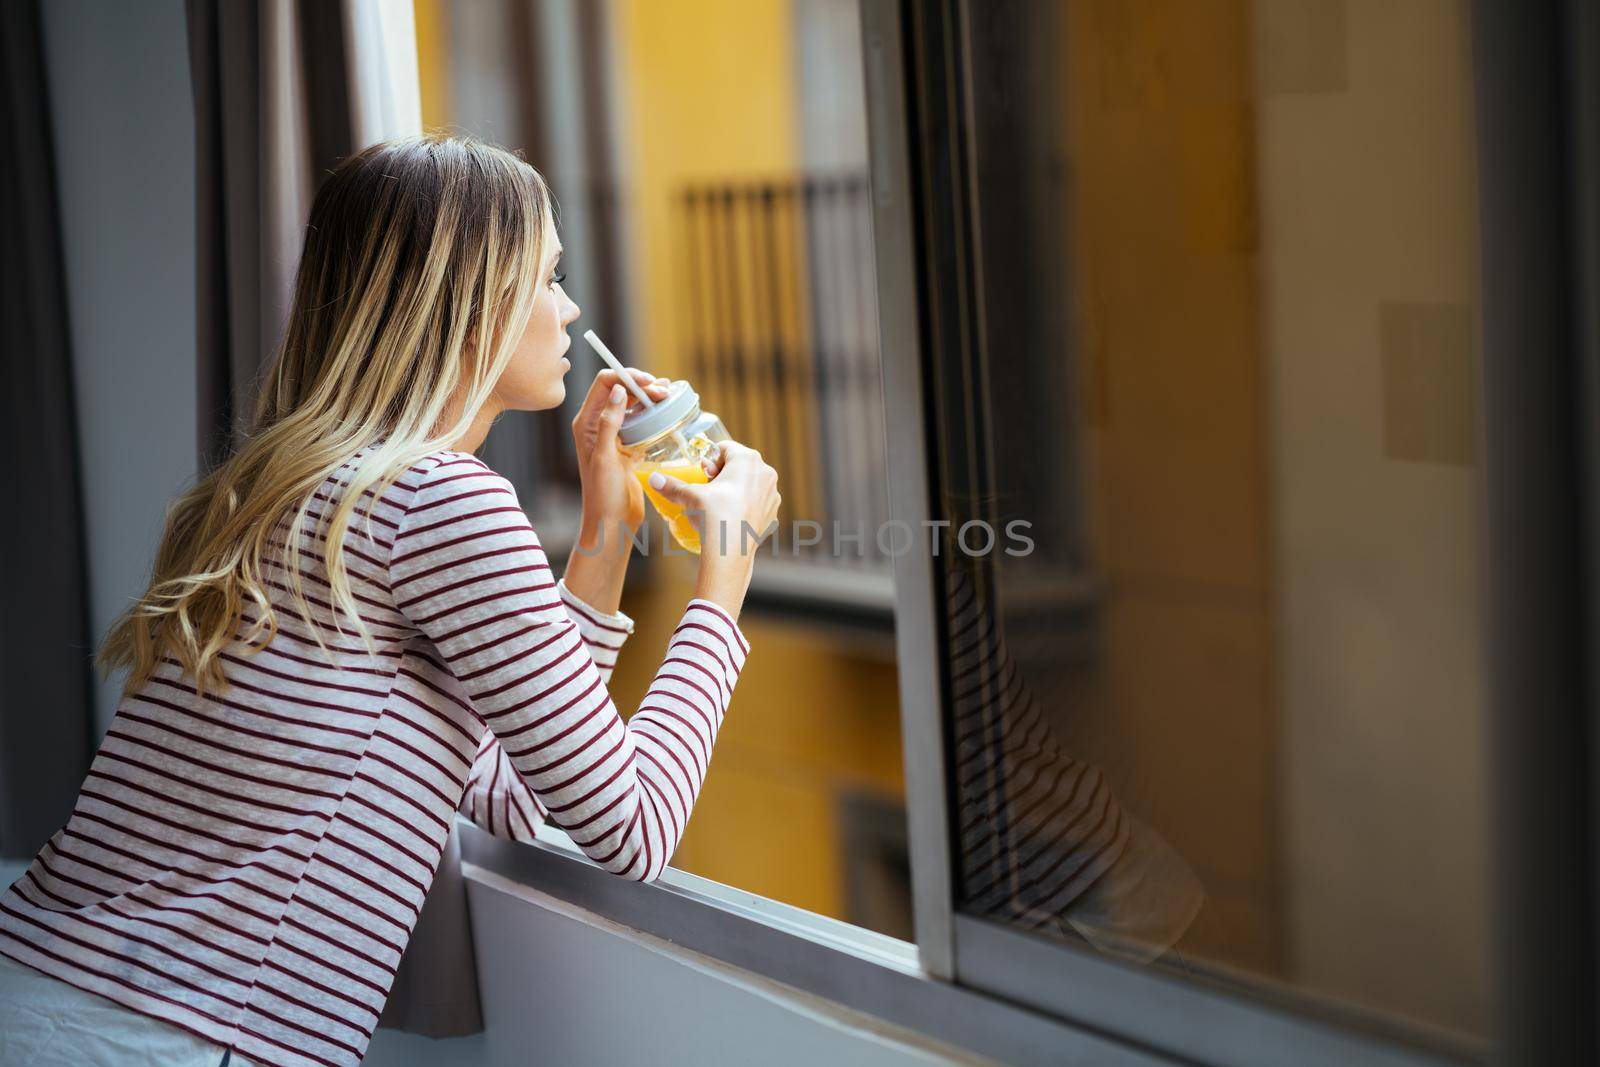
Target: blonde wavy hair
[{"x": 421, "y": 265}]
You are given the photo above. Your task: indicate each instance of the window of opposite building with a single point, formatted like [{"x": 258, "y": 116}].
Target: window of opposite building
[{"x": 709, "y": 163}]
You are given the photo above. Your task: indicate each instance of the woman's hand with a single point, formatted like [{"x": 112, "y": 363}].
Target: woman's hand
[
  {"x": 612, "y": 496},
  {"x": 743, "y": 492}
]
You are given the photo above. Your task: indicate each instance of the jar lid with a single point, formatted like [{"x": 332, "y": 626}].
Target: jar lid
[{"x": 646, "y": 424}]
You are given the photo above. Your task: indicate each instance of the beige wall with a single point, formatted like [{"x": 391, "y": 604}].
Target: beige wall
[
  {"x": 1368, "y": 280},
  {"x": 1274, "y": 239}
]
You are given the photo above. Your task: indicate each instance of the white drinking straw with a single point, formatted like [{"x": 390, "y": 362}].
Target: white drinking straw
[
  {"x": 627, "y": 379},
  {"x": 616, "y": 365}
]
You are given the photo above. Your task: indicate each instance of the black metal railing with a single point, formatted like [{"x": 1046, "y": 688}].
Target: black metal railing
[{"x": 782, "y": 342}]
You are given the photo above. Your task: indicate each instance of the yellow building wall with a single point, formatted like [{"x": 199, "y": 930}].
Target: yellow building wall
[
  {"x": 808, "y": 723},
  {"x": 708, "y": 94},
  {"x": 433, "y": 62}
]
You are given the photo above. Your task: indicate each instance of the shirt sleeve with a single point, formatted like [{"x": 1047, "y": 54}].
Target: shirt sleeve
[
  {"x": 496, "y": 797},
  {"x": 467, "y": 570},
  {"x": 603, "y": 633}
]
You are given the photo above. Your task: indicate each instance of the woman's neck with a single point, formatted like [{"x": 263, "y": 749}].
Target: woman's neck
[{"x": 473, "y": 439}]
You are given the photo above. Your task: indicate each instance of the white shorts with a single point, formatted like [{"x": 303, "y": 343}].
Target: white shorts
[{"x": 45, "y": 1022}]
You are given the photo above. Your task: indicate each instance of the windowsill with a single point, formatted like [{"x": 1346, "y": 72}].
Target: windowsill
[
  {"x": 870, "y": 973},
  {"x": 867, "y": 945}
]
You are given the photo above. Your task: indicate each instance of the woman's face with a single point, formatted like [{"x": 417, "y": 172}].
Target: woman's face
[{"x": 535, "y": 379}]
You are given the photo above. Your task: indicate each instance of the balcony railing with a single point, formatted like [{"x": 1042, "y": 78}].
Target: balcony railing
[{"x": 782, "y": 342}]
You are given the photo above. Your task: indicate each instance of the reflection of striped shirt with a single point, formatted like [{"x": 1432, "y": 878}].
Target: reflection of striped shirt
[
  {"x": 249, "y": 865},
  {"x": 1037, "y": 826}
]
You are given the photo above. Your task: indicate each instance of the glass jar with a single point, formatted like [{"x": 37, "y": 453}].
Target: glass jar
[{"x": 672, "y": 437}]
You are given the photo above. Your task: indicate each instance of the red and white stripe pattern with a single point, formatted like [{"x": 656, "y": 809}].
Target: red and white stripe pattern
[
  {"x": 497, "y": 798},
  {"x": 1037, "y": 826},
  {"x": 249, "y": 865}
]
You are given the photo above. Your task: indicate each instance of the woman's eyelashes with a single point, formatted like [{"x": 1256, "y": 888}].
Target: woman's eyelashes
[{"x": 557, "y": 278}]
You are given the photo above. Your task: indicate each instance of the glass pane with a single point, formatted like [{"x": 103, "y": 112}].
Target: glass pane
[
  {"x": 1220, "y": 710},
  {"x": 709, "y": 160}
]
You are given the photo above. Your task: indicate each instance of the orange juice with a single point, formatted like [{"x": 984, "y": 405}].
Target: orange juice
[
  {"x": 673, "y": 436},
  {"x": 681, "y": 525}
]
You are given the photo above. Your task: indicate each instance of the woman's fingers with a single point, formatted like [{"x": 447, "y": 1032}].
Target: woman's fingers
[
  {"x": 712, "y": 461},
  {"x": 674, "y": 490},
  {"x": 611, "y": 417},
  {"x": 595, "y": 401},
  {"x": 594, "y": 404},
  {"x": 655, "y": 388},
  {"x": 656, "y": 391},
  {"x": 735, "y": 454}
]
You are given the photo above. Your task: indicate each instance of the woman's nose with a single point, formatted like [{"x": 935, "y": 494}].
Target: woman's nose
[{"x": 569, "y": 311}]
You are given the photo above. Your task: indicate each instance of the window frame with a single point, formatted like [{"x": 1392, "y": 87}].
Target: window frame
[
  {"x": 980, "y": 986},
  {"x": 1545, "y": 775}
]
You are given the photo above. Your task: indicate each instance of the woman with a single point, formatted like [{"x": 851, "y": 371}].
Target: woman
[{"x": 348, "y": 622}]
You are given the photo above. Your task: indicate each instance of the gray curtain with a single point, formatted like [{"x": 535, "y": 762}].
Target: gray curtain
[
  {"x": 47, "y": 690},
  {"x": 283, "y": 89}
]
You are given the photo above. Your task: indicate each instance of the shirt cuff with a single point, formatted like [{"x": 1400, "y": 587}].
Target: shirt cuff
[{"x": 591, "y": 620}]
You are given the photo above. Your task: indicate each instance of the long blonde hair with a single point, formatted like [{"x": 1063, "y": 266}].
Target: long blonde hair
[{"x": 421, "y": 266}]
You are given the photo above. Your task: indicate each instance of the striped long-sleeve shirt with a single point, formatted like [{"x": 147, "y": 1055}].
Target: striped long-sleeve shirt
[
  {"x": 1043, "y": 839},
  {"x": 249, "y": 864}
]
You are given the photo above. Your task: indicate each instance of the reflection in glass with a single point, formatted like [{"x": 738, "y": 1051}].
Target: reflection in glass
[
  {"x": 1226, "y": 717},
  {"x": 1044, "y": 841}
]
